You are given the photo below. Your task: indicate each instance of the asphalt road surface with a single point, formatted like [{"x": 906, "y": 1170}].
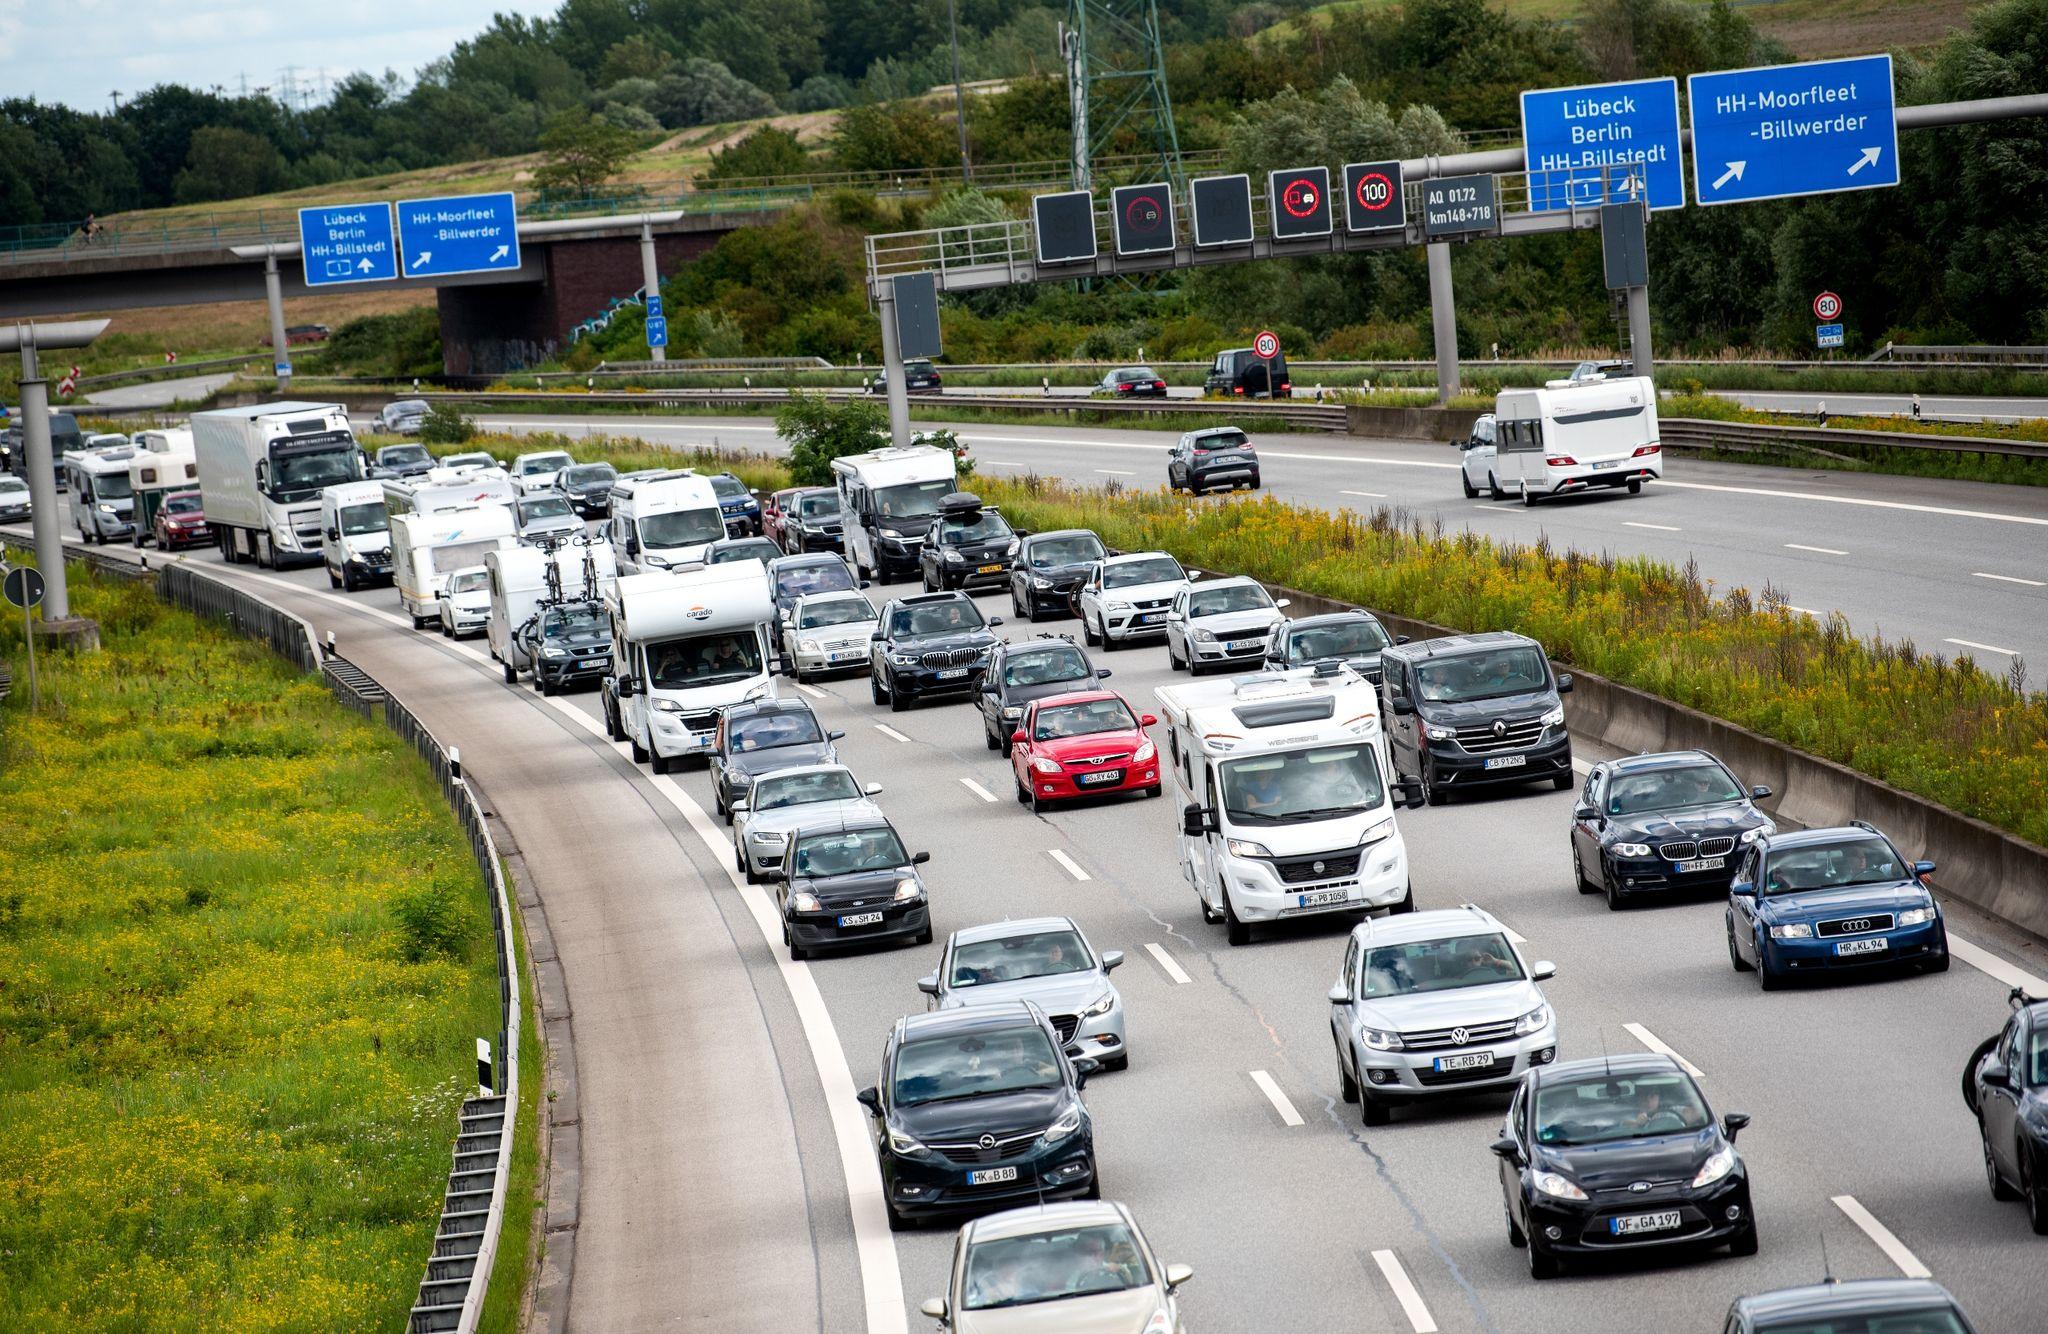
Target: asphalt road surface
[{"x": 727, "y": 1180}]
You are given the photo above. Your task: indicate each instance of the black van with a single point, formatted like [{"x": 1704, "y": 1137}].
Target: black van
[
  {"x": 1243, "y": 373},
  {"x": 1473, "y": 711}
]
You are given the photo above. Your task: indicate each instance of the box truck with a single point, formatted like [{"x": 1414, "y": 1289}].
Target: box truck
[{"x": 261, "y": 471}]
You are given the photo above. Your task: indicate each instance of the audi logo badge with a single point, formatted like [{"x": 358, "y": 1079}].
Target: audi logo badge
[
  {"x": 1638, "y": 1187},
  {"x": 987, "y": 1141},
  {"x": 1460, "y": 1036},
  {"x": 1500, "y": 728},
  {"x": 1855, "y": 924}
]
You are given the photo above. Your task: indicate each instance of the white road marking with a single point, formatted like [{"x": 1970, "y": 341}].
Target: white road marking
[
  {"x": 1068, "y": 862},
  {"x": 1174, "y": 973},
  {"x": 1819, "y": 551},
  {"x": 1953, "y": 513},
  {"x": 1656, "y": 1044},
  {"x": 1984, "y": 961},
  {"x": 978, "y": 790},
  {"x": 1511, "y": 505},
  {"x": 1804, "y": 611},
  {"x": 1116, "y": 472},
  {"x": 2008, "y": 579},
  {"x": 890, "y": 732},
  {"x": 1988, "y": 648},
  {"x": 1288, "y": 1116},
  {"x": 1405, "y": 1292},
  {"x": 812, "y": 691},
  {"x": 1581, "y": 766},
  {"x": 1908, "y": 1263},
  {"x": 1660, "y": 527},
  {"x": 1370, "y": 495},
  {"x": 1004, "y": 463},
  {"x": 1514, "y": 937}
]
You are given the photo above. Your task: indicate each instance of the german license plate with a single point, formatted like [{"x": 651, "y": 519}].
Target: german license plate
[
  {"x": 1478, "y": 1060},
  {"x": 991, "y": 1176},
  {"x": 988, "y": 569},
  {"x": 1874, "y": 945},
  {"x": 844, "y": 655},
  {"x": 1102, "y": 779},
  {"x": 1701, "y": 864},
  {"x": 1630, "y": 1224},
  {"x": 1506, "y": 761},
  {"x": 1608, "y": 463},
  {"x": 860, "y": 919},
  {"x": 1321, "y": 898},
  {"x": 1150, "y": 618},
  {"x": 952, "y": 673}
]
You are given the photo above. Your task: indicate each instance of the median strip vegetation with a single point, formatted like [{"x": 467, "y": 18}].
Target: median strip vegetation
[{"x": 244, "y": 958}]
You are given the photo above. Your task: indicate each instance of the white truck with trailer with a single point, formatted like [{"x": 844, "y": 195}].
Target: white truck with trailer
[
  {"x": 520, "y": 585},
  {"x": 427, "y": 548},
  {"x": 889, "y": 497},
  {"x": 261, "y": 471},
  {"x": 1288, "y": 797},
  {"x": 355, "y": 535},
  {"x": 685, "y": 647},
  {"x": 1572, "y": 436},
  {"x": 664, "y": 520}
]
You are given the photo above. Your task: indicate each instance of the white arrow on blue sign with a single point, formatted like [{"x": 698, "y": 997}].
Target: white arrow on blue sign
[
  {"x": 1784, "y": 130},
  {"x": 465, "y": 234},
  {"x": 657, "y": 331},
  {"x": 1604, "y": 143},
  {"x": 347, "y": 243}
]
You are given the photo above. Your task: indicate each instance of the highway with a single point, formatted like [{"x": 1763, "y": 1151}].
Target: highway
[{"x": 725, "y": 1172}]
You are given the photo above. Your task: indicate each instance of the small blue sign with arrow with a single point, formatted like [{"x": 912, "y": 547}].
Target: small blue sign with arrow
[
  {"x": 657, "y": 331},
  {"x": 1783, "y": 130},
  {"x": 347, "y": 243},
  {"x": 465, "y": 234}
]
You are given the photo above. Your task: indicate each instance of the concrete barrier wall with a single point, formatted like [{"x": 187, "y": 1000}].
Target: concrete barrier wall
[{"x": 1445, "y": 424}]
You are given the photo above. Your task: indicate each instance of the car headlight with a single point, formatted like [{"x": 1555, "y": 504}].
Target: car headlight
[
  {"x": 1719, "y": 1164},
  {"x": 804, "y": 902},
  {"x": 1144, "y": 753},
  {"x": 649, "y": 558},
  {"x": 548, "y": 651},
  {"x": 1040, "y": 582},
  {"x": 1916, "y": 916},
  {"x": 1550, "y": 1183},
  {"x": 807, "y": 645},
  {"x": 1244, "y": 847},
  {"x": 907, "y": 888},
  {"x": 761, "y": 691},
  {"x": 1100, "y": 1007},
  {"x": 1630, "y": 849},
  {"x": 906, "y": 1145},
  {"x": 1381, "y": 1039},
  {"x": 666, "y": 706},
  {"x": 769, "y": 836},
  {"x": 1012, "y": 712},
  {"x": 1011, "y": 549},
  {"x": 1115, "y": 605},
  {"x": 1069, "y": 1121},
  {"x": 1045, "y": 766},
  {"x": 1378, "y": 832},
  {"x": 1160, "y": 1323},
  {"x": 1441, "y": 733},
  {"x": 953, "y": 558},
  {"x": 903, "y": 659},
  {"x": 106, "y": 509},
  {"x": 1792, "y": 931},
  {"x": 1554, "y": 718},
  {"x": 1532, "y": 1022},
  {"x": 891, "y": 540}
]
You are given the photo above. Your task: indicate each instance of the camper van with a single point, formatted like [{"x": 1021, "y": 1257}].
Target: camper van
[
  {"x": 1287, "y": 797},
  {"x": 685, "y": 647},
  {"x": 355, "y": 535},
  {"x": 153, "y": 475},
  {"x": 663, "y": 520},
  {"x": 102, "y": 504},
  {"x": 427, "y": 548},
  {"x": 519, "y": 586},
  {"x": 1569, "y": 437},
  {"x": 889, "y": 497},
  {"x": 445, "y": 489}
]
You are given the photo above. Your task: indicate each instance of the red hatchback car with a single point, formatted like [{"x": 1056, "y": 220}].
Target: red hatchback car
[
  {"x": 180, "y": 522},
  {"x": 1082, "y": 744}
]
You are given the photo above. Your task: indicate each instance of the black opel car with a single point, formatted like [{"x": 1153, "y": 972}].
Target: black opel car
[
  {"x": 1049, "y": 569},
  {"x": 851, "y": 884},
  {"x": 1671, "y": 823},
  {"x": 1471, "y": 711},
  {"x": 588, "y": 487},
  {"x": 978, "y": 1109},
  {"x": 1352, "y": 637},
  {"x": 968, "y": 544},
  {"x": 1020, "y": 673},
  {"x": 2006, "y": 1087},
  {"x": 1617, "y": 1154},
  {"x": 760, "y": 737},
  {"x": 931, "y": 644}
]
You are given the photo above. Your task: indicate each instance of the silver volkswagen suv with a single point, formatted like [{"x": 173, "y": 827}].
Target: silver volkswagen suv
[{"x": 1434, "y": 1003}]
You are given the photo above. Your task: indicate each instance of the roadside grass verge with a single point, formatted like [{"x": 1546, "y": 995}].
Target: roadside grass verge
[{"x": 244, "y": 957}]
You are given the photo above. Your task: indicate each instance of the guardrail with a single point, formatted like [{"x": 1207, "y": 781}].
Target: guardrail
[
  {"x": 173, "y": 369},
  {"x": 1763, "y": 437},
  {"x": 1960, "y": 354}
]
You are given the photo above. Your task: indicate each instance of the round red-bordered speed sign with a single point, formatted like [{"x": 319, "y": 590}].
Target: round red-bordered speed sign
[
  {"x": 1267, "y": 344},
  {"x": 1827, "y": 306},
  {"x": 1375, "y": 191}
]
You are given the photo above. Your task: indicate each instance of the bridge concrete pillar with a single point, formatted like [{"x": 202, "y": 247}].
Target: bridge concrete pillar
[
  {"x": 280, "y": 351},
  {"x": 892, "y": 362}
]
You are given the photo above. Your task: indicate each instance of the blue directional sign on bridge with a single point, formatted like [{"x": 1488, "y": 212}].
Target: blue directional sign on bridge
[
  {"x": 1605, "y": 143},
  {"x": 347, "y": 243},
  {"x": 657, "y": 323},
  {"x": 465, "y": 234},
  {"x": 1782, "y": 130}
]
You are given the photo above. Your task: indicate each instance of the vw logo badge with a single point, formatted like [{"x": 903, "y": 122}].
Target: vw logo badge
[
  {"x": 989, "y": 1142},
  {"x": 1500, "y": 728},
  {"x": 1638, "y": 1187},
  {"x": 1460, "y": 1036}
]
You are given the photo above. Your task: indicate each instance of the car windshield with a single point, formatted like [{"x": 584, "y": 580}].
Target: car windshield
[
  {"x": 912, "y": 500},
  {"x": 1069, "y": 720},
  {"x": 760, "y": 550},
  {"x": 410, "y": 407},
  {"x": 704, "y": 661},
  {"x": 175, "y": 505},
  {"x": 534, "y": 463},
  {"x": 1154, "y": 570},
  {"x": 1671, "y": 789},
  {"x": 1469, "y": 676},
  {"x": 572, "y": 621},
  {"x": 1223, "y": 440},
  {"x": 818, "y": 504},
  {"x": 728, "y": 488},
  {"x": 1890, "y": 1320},
  {"x": 936, "y": 618},
  {"x": 1138, "y": 373},
  {"x": 112, "y": 486},
  {"x": 1355, "y": 637},
  {"x": 469, "y": 581},
  {"x": 980, "y": 526},
  {"x": 12, "y": 484},
  {"x": 1014, "y": 958},
  {"x": 1302, "y": 785},
  {"x": 681, "y": 528},
  {"x": 1045, "y": 666},
  {"x": 356, "y": 520},
  {"x": 1857, "y": 861},
  {"x": 403, "y": 454},
  {"x": 1601, "y": 1108},
  {"x": 1219, "y": 601},
  {"x": 1438, "y": 965},
  {"x": 313, "y": 472},
  {"x": 973, "y": 1064},
  {"x": 917, "y": 368},
  {"x": 844, "y": 852},
  {"x": 825, "y": 576},
  {"x": 544, "y": 507},
  {"x": 772, "y": 794},
  {"x": 586, "y": 474},
  {"x": 766, "y": 731},
  {"x": 1065, "y": 551},
  {"x": 1049, "y": 1266},
  {"x": 834, "y": 611},
  {"x": 481, "y": 460}
]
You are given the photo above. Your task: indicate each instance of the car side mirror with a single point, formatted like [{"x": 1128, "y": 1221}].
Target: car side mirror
[
  {"x": 871, "y": 1098},
  {"x": 1194, "y": 821},
  {"x": 1742, "y": 889},
  {"x": 873, "y": 789},
  {"x": 1112, "y": 960},
  {"x": 632, "y": 546},
  {"x": 1543, "y": 971},
  {"x": 741, "y": 807},
  {"x": 1732, "y": 1124},
  {"x": 1148, "y": 720},
  {"x": 1084, "y": 1066},
  {"x": 1340, "y": 994},
  {"x": 626, "y": 688},
  {"x": 995, "y": 620},
  {"x": 1995, "y": 1076},
  {"x": 1400, "y": 639},
  {"x": 1402, "y": 705},
  {"x": 875, "y": 638},
  {"x": 1759, "y": 792},
  {"x": 834, "y": 736},
  {"x": 1564, "y": 683},
  {"x": 934, "y": 1307},
  {"x": 1177, "y": 1275},
  {"x": 1922, "y": 869},
  {"x": 1102, "y": 673},
  {"x": 988, "y": 687},
  {"x": 1412, "y": 793},
  {"x": 1017, "y": 738},
  {"x": 865, "y": 583},
  {"x": 1280, "y": 602},
  {"x": 1582, "y": 812},
  {"x": 919, "y": 858},
  {"x": 929, "y": 985},
  {"x": 1505, "y": 1147}
]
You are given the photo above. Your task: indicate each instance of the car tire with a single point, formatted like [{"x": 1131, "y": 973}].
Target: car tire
[
  {"x": 1493, "y": 491},
  {"x": 639, "y": 751},
  {"x": 1118, "y": 1063},
  {"x": 2000, "y": 1190},
  {"x": 1770, "y": 978},
  {"x": 2036, "y": 1193},
  {"x": 660, "y": 763},
  {"x": 798, "y": 954},
  {"x": 898, "y": 701},
  {"x": 924, "y": 937},
  {"x": 1237, "y": 932},
  {"x": 1745, "y": 1241},
  {"x": 1516, "y": 1237},
  {"x": 1562, "y": 782},
  {"x": 511, "y": 677},
  {"x": 1347, "y": 1087},
  {"x": 875, "y": 689},
  {"x": 1542, "y": 1264},
  {"x": 1936, "y": 963},
  {"x": 1374, "y": 1111},
  {"x": 990, "y": 739},
  {"x": 348, "y": 580},
  {"x": 1635, "y": 488},
  {"x": 1471, "y": 491},
  {"x": 1405, "y": 904},
  {"x": 1528, "y": 497},
  {"x": 1617, "y": 897},
  {"x": 333, "y": 579},
  {"x": 1735, "y": 955},
  {"x": 899, "y": 1222},
  {"x": 543, "y": 685},
  {"x": 1153, "y": 791},
  {"x": 1109, "y": 642},
  {"x": 1023, "y": 794},
  {"x": 1431, "y": 792},
  {"x": 1088, "y": 635},
  {"x": 1209, "y": 915},
  {"x": 1173, "y": 662},
  {"x": 1579, "y": 872}
]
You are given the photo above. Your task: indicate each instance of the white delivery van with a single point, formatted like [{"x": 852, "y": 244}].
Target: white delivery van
[
  {"x": 427, "y": 548},
  {"x": 355, "y": 535},
  {"x": 102, "y": 504},
  {"x": 261, "y": 471},
  {"x": 663, "y": 520},
  {"x": 445, "y": 489},
  {"x": 888, "y": 498},
  {"x": 1287, "y": 797},
  {"x": 686, "y": 646},
  {"x": 1568, "y": 437},
  {"x": 520, "y": 584}
]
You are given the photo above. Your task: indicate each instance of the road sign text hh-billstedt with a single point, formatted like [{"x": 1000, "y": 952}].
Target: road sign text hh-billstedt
[{"x": 347, "y": 243}]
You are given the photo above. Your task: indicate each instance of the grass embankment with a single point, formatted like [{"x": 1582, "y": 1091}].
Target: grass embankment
[
  {"x": 1847, "y": 455},
  {"x": 243, "y": 960}
]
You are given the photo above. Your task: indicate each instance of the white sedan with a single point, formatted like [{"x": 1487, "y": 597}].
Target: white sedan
[
  {"x": 827, "y": 632},
  {"x": 781, "y": 803},
  {"x": 1127, "y": 597},
  {"x": 1080, "y": 1268},
  {"x": 1220, "y": 622}
]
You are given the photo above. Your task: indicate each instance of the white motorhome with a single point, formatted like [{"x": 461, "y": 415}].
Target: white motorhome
[
  {"x": 664, "y": 520},
  {"x": 164, "y": 440},
  {"x": 1287, "y": 796},
  {"x": 889, "y": 497},
  {"x": 153, "y": 475},
  {"x": 355, "y": 535},
  {"x": 102, "y": 503},
  {"x": 427, "y": 548},
  {"x": 519, "y": 584},
  {"x": 261, "y": 471},
  {"x": 685, "y": 647},
  {"x": 445, "y": 489},
  {"x": 1568, "y": 437}
]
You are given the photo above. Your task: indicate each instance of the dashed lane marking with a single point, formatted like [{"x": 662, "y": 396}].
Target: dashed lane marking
[
  {"x": 977, "y": 789},
  {"x": 890, "y": 732},
  {"x": 1068, "y": 862},
  {"x": 1908, "y": 1263},
  {"x": 1818, "y": 551},
  {"x": 1405, "y": 1292},
  {"x": 1656, "y": 1044},
  {"x": 2009, "y": 579},
  {"x": 1288, "y": 1116},
  {"x": 1988, "y": 648},
  {"x": 1174, "y": 972}
]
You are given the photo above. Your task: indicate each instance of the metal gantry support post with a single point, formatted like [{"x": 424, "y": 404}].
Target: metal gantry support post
[
  {"x": 892, "y": 363},
  {"x": 1443, "y": 317},
  {"x": 42, "y": 484},
  {"x": 1639, "y": 331},
  {"x": 273, "y": 291},
  {"x": 650, "y": 279}
]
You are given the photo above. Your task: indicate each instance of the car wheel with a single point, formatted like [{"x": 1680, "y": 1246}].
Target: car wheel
[
  {"x": 1528, "y": 497},
  {"x": 542, "y": 684},
  {"x": 1236, "y": 931},
  {"x": 798, "y": 954},
  {"x": 1032, "y": 799},
  {"x": 1516, "y": 1237},
  {"x": 1999, "y": 1189},
  {"x": 899, "y": 1222},
  {"x": 1744, "y": 1242},
  {"x": 1173, "y": 662},
  {"x": 898, "y": 701},
  {"x": 1088, "y": 634},
  {"x": 1406, "y": 903},
  {"x": 1152, "y": 791},
  {"x": 1471, "y": 491},
  {"x": 348, "y": 580},
  {"x": 1110, "y": 643},
  {"x": 1431, "y": 791},
  {"x": 1023, "y": 793},
  {"x": 1122, "y": 1062},
  {"x": 1374, "y": 1111},
  {"x": 1542, "y": 1264},
  {"x": 1769, "y": 977},
  {"x": 1635, "y": 488},
  {"x": 1347, "y": 1087},
  {"x": 512, "y": 679},
  {"x": 639, "y": 751},
  {"x": 1493, "y": 491},
  {"x": 1579, "y": 872},
  {"x": 990, "y": 739},
  {"x": 1209, "y": 915},
  {"x": 1562, "y": 782},
  {"x": 875, "y": 689},
  {"x": 1617, "y": 897},
  {"x": 2037, "y": 1195},
  {"x": 333, "y": 579},
  {"x": 1734, "y": 954},
  {"x": 661, "y": 763}
]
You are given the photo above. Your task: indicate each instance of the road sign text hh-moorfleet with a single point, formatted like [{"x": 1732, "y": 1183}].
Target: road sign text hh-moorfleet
[
  {"x": 464, "y": 234},
  {"x": 1784, "y": 130}
]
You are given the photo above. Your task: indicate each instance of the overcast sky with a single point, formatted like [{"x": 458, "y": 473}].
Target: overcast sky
[{"x": 80, "y": 52}]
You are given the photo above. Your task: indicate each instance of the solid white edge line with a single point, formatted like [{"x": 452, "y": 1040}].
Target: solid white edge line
[
  {"x": 1660, "y": 527},
  {"x": 1988, "y": 648},
  {"x": 1821, "y": 551},
  {"x": 977, "y": 789},
  {"x": 1405, "y": 1292},
  {"x": 2009, "y": 579},
  {"x": 1068, "y": 862},
  {"x": 1804, "y": 611},
  {"x": 1657, "y": 1044},
  {"x": 1370, "y": 495},
  {"x": 1984, "y": 961},
  {"x": 1116, "y": 472},
  {"x": 1288, "y": 1115},
  {"x": 890, "y": 732},
  {"x": 1174, "y": 972},
  {"x": 1580, "y": 766},
  {"x": 1908, "y": 1263}
]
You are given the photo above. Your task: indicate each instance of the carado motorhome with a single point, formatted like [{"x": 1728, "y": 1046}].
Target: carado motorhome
[
  {"x": 1287, "y": 797},
  {"x": 355, "y": 535},
  {"x": 427, "y": 548},
  {"x": 664, "y": 520},
  {"x": 685, "y": 647},
  {"x": 261, "y": 471},
  {"x": 102, "y": 505},
  {"x": 889, "y": 497},
  {"x": 520, "y": 586}
]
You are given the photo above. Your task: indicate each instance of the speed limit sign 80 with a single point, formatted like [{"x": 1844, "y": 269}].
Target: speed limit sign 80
[
  {"x": 1267, "y": 344},
  {"x": 1827, "y": 306}
]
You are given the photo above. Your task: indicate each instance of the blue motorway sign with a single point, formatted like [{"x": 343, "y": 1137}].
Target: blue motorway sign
[
  {"x": 654, "y": 311},
  {"x": 657, "y": 331},
  {"x": 465, "y": 234},
  {"x": 1782, "y": 130},
  {"x": 1827, "y": 335},
  {"x": 1603, "y": 143},
  {"x": 347, "y": 243}
]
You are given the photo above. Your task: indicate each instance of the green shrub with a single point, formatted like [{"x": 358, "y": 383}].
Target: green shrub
[
  {"x": 431, "y": 922},
  {"x": 445, "y": 425}
]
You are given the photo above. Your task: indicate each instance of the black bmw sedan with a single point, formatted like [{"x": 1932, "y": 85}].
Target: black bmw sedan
[
  {"x": 2006, "y": 1086},
  {"x": 1673, "y": 823},
  {"x": 1606, "y": 1156}
]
